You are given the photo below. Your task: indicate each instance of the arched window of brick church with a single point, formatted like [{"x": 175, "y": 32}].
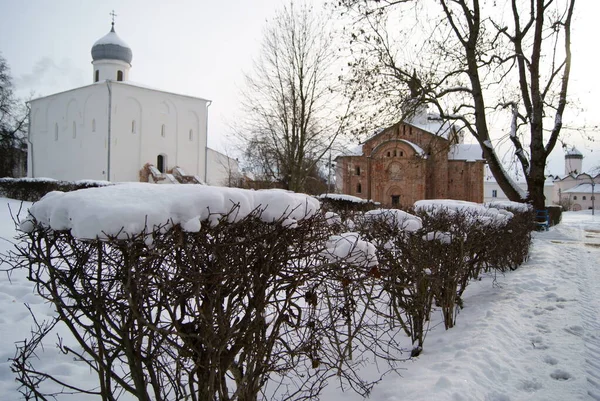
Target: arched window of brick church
[
  {"x": 56, "y": 131},
  {"x": 575, "y": 197},
  {"x": 389, "y": 154},
  {"x": 395, "y": 153},
  {"x": 119, "y": 75},
  {"x": 401, "y": 153},
  {"x": 93, "y": 125},
  {"x": 161, "y": 163},
  {"x": 97, "y": 76},
  {"x": 357, "y": 170},
  {"x": 163, "y": 131},
  {"x": 359, "y": 188},
  {"x": 74, "y": 129},
  {"x": 583, "y": 198}
]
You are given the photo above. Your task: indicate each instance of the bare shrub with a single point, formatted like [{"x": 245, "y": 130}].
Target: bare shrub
[{"x": 237, "y": 311}]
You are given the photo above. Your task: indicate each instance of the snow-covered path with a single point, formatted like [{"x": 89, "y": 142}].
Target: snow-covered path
[{"x": 532, "y": 334}]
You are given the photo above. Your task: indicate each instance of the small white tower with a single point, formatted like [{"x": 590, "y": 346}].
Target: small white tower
[
  {"x": 573, "y": 162},
  {"x": 111, "y": 57}
]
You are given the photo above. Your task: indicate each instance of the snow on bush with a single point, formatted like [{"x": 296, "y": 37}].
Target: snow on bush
[
  {"x": 351, "y": 249},
  {"x": 395, "y": 219},
  {"x": 474, "y": 212},
  {"x": 342, "y": 197},
  {"x": 509, "y": 205},
  {"x": 443, "y": 237},
  {"x": 128, "y": 209}
]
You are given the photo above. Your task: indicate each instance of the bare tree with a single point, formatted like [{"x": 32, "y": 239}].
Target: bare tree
[
  {"x": 13, "y": 125},
  {"x": 290, "y": 100},
  {"x": 476, "y": 62}
]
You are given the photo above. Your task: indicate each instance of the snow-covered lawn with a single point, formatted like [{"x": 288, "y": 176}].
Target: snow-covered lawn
[{"x": 533, "y": 334}]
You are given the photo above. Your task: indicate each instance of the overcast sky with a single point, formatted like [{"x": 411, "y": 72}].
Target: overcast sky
[{"x": 202, "y": 47}]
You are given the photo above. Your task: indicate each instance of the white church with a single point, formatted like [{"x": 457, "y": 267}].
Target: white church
[{"x": 115, "y": 130}]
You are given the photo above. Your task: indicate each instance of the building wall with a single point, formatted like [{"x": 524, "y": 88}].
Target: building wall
[
  {"x": 70, "y": 132},
  {"x": 148, "y": 123},
  {"x": 222, "y": 170},
  {"x": 465, "y": 180},
  {"x": 490, "y": 185},
  {"x": 68, "y": 135},
  {"x": 391, "y": 168}
]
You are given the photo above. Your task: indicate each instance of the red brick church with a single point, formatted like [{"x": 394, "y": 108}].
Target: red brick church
[{"x": 420, "y": 158}]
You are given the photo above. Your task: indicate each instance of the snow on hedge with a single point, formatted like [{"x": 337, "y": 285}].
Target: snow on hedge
[
  {"x": 396, "y": 219},
  {"x": 128, "y": 209},
  {"x": 350, "y": 248},
  {"x": 517, "y": 206},
  {"x": 476, "y": 211},
  {"x": 348, "y": 198}
]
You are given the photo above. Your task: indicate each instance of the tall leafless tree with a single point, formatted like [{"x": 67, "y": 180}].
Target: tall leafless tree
[
  {"x": 13, "y": 124},
  {"x": 290, "y": 100},
  {"x": 474, "y": 61}
]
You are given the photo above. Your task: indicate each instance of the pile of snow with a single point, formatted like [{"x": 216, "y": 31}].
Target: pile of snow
[
  {"x": 350, "y": 248},
  {"x": 396, "y": 219},
  {"x": 129, "y": 209}
]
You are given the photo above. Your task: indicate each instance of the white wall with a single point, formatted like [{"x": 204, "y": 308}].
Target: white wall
[
  {"x": 490, "y": 185},
  {"x": 221, "y": 169},
  {"x": 137, "y": 115},
  {"x": 151, "y": 110},
  {"x": 68, "y": 134}
]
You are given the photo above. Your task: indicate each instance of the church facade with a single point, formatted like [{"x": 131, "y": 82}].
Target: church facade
[
  {"x": 111, "y": 129},
  {"x": 420, "y": 158}
]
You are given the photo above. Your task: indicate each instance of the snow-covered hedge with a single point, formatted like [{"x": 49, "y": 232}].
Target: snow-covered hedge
[
  {"x": 33, "y": 189},
  {"x": 185, "y": 287}
]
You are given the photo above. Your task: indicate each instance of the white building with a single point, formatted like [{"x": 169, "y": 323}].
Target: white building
[
  {"x": 574, "y": 191},
  {"x": 113, "y": 129}
]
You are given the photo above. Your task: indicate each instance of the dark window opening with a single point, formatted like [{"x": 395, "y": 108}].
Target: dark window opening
[
  {"x": 358, "y": 188},
  {"x": 494, "y": 193},
  {"x": 97, "y": 76},
  {"x": 575, "y": 197},
  {"x": 357, "y": 170},
  {"x": 395, "y": 154},
  {"x": 401, "y": 153},
  {"x": 161, "y": 163},
  {"x": 395, "y": 200},
  {"x": 583, "y": 198},
  {"x": 119, "y": 75},
  {"x": 389, "y": 154}
]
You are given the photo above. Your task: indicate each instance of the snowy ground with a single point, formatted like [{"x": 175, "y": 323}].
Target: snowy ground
[{"x": 533, "y": 334}]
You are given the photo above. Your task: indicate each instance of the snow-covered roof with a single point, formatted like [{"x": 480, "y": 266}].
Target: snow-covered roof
[
  {"x": 465, "y": 151},
  {"x": 431, "y": 122},
  {"x": 130, "y": 208},
  {"x": 111, "y": 47},
  {"x": 574, "y": 153},
  {"x": 585, "y": 188}
]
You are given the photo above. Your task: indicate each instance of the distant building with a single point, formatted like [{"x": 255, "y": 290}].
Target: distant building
[
  {"x": 574, "y": 190},
  {"x": 420, "y": 158},
  {"x": 116, "y": 130}
]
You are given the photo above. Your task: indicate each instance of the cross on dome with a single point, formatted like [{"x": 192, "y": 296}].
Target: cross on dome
[{"x": 113, "y": 15}]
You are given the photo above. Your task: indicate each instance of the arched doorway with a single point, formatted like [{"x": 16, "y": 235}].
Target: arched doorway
[{"x": 161, "y": 163}]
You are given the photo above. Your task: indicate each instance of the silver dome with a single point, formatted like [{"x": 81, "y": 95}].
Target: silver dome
[{"x": 111, "y": 47}]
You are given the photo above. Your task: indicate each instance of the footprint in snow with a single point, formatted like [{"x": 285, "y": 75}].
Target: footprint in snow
[
  {"x": 530, "y": 386},
  {"x": 560, "y": 375},
  {"x": 550, "y": 360},
  {"x": 575, "y": 330}
]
